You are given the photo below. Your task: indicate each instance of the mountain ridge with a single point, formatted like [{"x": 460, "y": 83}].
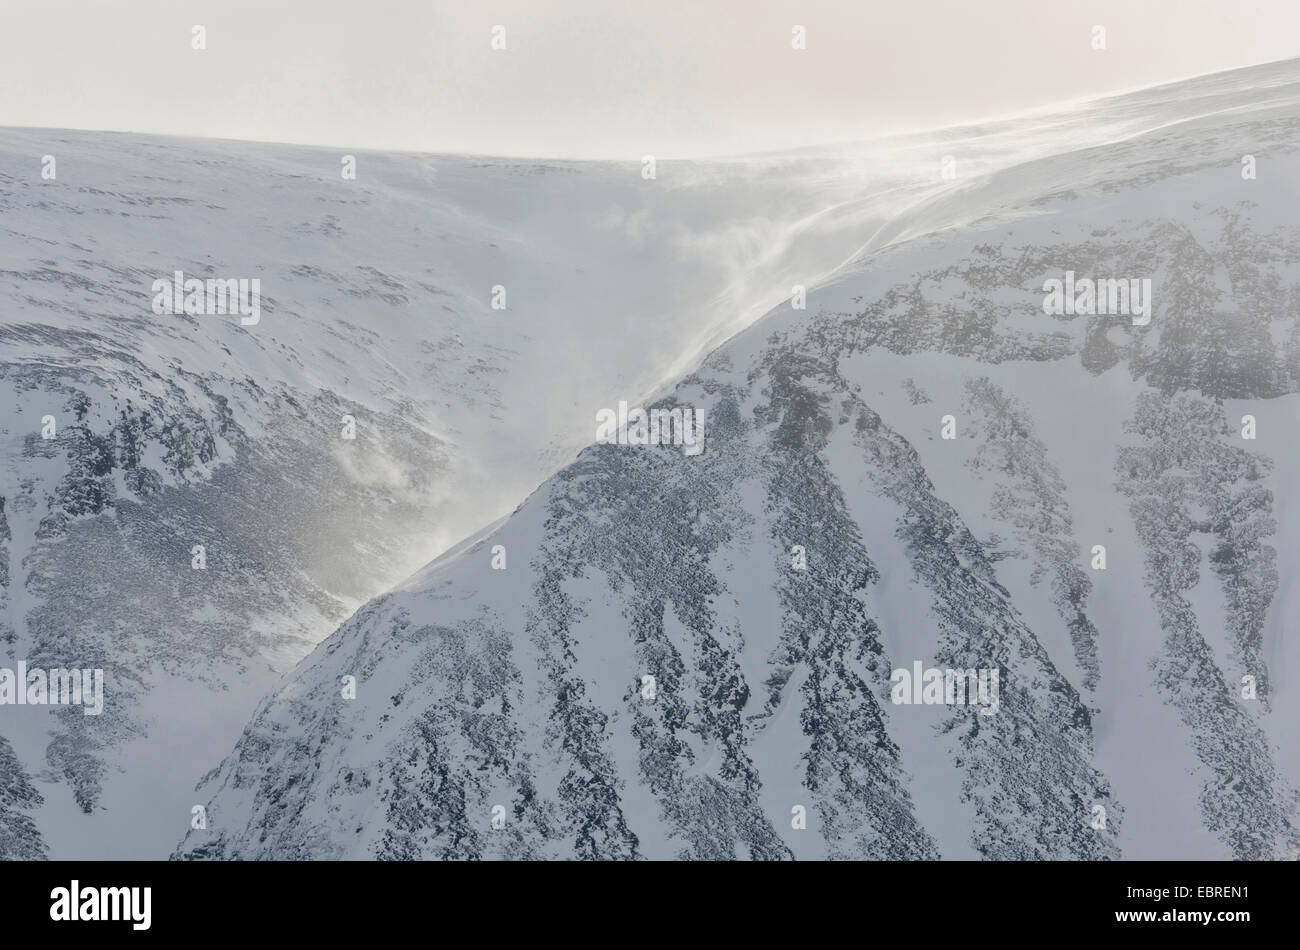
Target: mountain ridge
[{"x": 500, "y": 715}]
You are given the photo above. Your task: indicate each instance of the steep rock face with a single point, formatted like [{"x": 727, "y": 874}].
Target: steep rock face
[
  {"x": 19, "y": 837},
  {"x": 648, "y": 564},
  {"x": 1030, "y": 498},
  {"x": 665, "y": 655},
  {"x": 1185, "y": 480},
  {"x": 20, "y": 840}
]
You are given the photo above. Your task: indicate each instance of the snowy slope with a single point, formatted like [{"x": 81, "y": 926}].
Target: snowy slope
[
  {"x": 504, "y": 713},
  {"x": 173, "y": 431}
]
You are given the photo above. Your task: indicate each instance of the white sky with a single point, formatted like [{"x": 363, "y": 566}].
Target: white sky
[{"x": 597, "y": 78}]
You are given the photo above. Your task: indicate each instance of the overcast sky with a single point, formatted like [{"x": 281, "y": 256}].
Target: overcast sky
[{"x": 598, "y": 78}]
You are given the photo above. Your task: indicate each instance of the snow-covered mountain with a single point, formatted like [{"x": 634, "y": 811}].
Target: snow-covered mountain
[
  {"x": 131, "y": 437},
  {"x": 662, "y": 654}
]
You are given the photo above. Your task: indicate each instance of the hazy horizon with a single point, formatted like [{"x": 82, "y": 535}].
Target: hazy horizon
[{"x": 578, "y": 80}]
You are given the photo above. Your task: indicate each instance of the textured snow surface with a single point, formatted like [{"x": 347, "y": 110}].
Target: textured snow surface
[
  {"x": 519, "y": 693},
  {"x": 523, "y": 688}
]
